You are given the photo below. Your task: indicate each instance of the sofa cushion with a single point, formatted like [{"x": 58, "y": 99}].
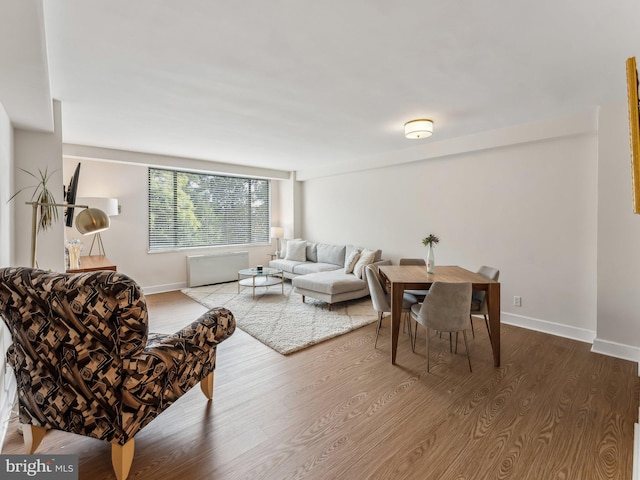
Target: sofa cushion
[
  {"x": 313, "y": 267},
  {"x": 330, "y": 283},
  {"x": 312, "y": 252},
  {"x": 331, "y": 254},
  {"x": 284, "y": 265},
  {"x": 296, "y": 250}
]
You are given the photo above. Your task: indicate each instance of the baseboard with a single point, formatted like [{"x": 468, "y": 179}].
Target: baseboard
[
  {"x": 618, "y": 350},
  {"x": 170, "y": 287},
  {"x": 6, "y": 407},
  {"x": 558, "y": 329},
  {"x": 604, "y": 347}
]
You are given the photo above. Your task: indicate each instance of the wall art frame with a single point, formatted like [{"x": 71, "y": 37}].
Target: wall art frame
[{"x": 634, "y": 130}]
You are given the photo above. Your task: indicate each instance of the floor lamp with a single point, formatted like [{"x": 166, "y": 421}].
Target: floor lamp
[
  {"x": 107, "y": 205},
  {"x": 92, "y": 220}
]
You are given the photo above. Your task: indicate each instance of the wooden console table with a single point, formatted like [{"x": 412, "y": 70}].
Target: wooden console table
[{"x": 93, "y": 263}]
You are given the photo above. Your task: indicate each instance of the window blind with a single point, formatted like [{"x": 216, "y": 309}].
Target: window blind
[{"x": 189, "y": 209}]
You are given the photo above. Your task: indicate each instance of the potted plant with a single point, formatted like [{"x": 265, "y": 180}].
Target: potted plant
[
  {"x": 42, "y": 202},
  {"x": 429, "y": 241},
  {"x": 43, "y": 197}
]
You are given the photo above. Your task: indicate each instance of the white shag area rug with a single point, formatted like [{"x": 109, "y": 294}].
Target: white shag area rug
[{"x": 283, "y": 322}]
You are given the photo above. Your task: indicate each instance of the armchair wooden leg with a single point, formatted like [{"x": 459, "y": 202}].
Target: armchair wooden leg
[
  {"x": 121, "y": 458},
  {"x": 206, "y": 385},
  {"x": 32, "y": 436}
]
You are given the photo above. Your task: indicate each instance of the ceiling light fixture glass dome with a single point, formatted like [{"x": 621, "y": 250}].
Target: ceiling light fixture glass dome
[{"x": 416, "y": 129}]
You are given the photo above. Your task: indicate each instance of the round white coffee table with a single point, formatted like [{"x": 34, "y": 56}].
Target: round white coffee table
[{"x": 266, "y": 277}]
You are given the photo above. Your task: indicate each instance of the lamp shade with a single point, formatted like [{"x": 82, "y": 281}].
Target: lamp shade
[
  {"x": 107, "y": 205},
  {"x": 416, "y": 129},
  {"x": 92, "y": 220},
  {"x": 277, "y": 232}
]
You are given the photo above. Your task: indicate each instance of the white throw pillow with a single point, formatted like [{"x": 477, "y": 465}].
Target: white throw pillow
[
  {"x": 283, "y": 246},
  {"x": 296, "y": 250},
  {"x": 366, "y": 258},
  {"x": 351, "y": 261}
]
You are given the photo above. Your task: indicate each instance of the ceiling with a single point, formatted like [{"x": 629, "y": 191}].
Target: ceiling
[{"x": 296, "y": 85}]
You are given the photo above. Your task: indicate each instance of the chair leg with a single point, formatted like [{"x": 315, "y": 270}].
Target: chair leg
[
  {"x": 427, "y": 330},
  {"x": 206, "y": 385},
  {"x": 32, "y": 435},
  {"x": 466, "y": 346},
  {"x": 122, "y": 458},
  {"x": 375, "y": 345},
  {"x": 471, "y": 322},
  {"x": 486, "y": 322},
  {"x": 407, "y": 321},
  {"x": 413, "y": 343},
  {"x": 302, "y": 298},
  {"x": 412, "y": 334}
]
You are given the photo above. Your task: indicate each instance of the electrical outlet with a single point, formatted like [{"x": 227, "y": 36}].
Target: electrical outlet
[{"x": 517, "y": 301}]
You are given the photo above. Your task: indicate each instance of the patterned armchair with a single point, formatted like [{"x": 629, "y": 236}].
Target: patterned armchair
[{"x": 85, "y": 363}]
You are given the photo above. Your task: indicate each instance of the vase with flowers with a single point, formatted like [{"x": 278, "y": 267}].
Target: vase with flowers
[{"x": 429, "y": 242}]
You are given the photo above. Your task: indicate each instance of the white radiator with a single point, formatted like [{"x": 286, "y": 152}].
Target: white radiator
[{"x": 218, "y": 268}]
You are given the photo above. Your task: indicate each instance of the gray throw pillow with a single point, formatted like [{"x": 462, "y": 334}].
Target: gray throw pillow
[{"x": 312, "y": 252}]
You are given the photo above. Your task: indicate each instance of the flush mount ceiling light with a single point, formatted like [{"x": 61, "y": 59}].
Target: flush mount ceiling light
[{"x": 416, "y": 129}]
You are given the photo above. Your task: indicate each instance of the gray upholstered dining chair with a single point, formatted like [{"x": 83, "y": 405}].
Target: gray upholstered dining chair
[
  {"x": 381, "y": 300},
  {"x": 445, "y": 309},
  {"x": 479, "y": 298}
]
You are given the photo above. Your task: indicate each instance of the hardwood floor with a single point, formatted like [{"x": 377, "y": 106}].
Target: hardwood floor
[{"x": 340, "y": 410}]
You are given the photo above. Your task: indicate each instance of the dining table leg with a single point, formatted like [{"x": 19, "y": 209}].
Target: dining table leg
[
  {"x": 397, "y": 294},
  {"x": 493, "y": 304}
]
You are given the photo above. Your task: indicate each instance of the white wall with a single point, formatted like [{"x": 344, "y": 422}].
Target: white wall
[
  {"x": 618, "y": 239},
  {"x": 35, "y": 151},
  {"x": 284, "y": 206},
  {"x": 6, "y": 187},
  {"x": 528, "y": 209},
  {"x": 7, "y": 380},
  {"x": 126, "y": 241}
]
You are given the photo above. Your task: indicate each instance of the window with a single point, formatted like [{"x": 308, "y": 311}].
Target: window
[{"x": 200, "y": 210}]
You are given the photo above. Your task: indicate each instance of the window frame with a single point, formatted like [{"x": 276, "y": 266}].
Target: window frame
[{"x": 175, "y": 246}]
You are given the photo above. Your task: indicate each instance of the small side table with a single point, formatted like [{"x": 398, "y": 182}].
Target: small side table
[
  {"x": 252, "y": 277},
  {"x": 93, "y": 263}
]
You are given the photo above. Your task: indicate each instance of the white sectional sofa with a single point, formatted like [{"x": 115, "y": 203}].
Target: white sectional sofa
[{"x": 329, "y": 273}]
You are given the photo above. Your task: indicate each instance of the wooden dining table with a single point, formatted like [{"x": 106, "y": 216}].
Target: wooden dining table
[{"x": 415, "y": 277}]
